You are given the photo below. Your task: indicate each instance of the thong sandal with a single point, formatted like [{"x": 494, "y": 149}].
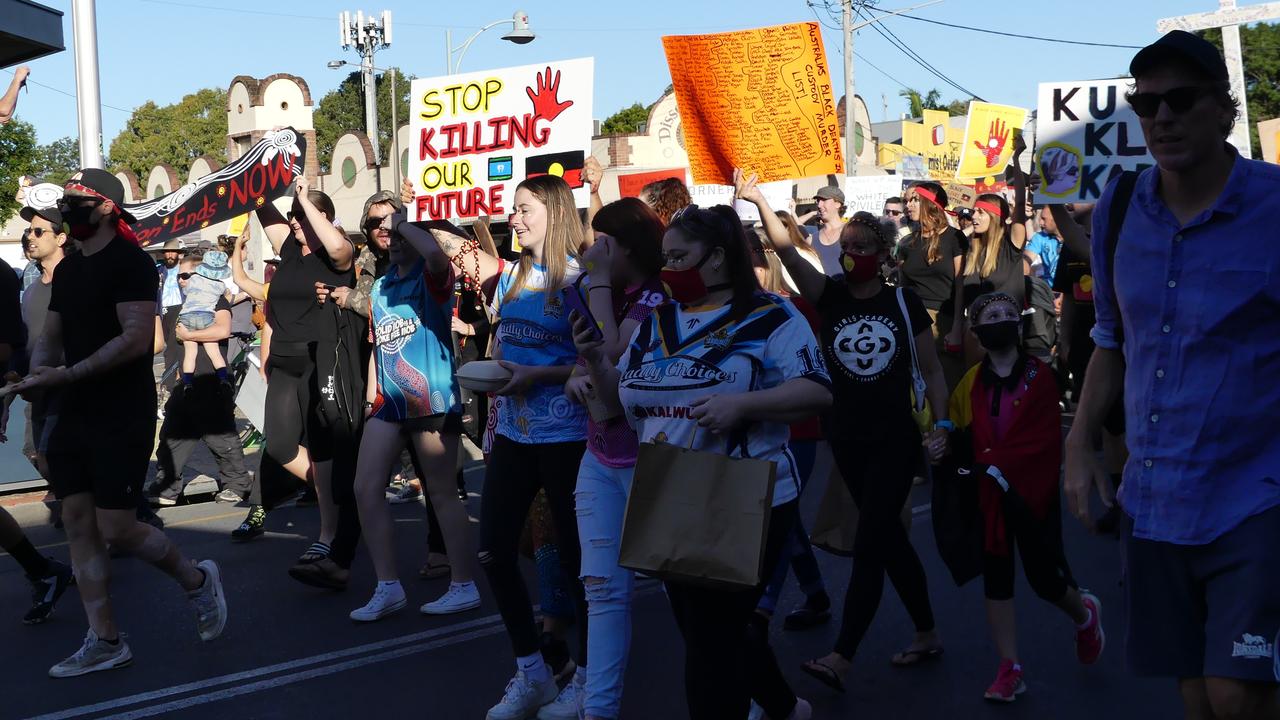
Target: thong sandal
[
  {"x": 431, "y": 572},
  {"x": 908, "y": 658},
  {"x": 824, "y": 674},
  {"x": 317, "y": 552}
]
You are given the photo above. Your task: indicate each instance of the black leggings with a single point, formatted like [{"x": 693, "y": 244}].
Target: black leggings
[
  {"x": 727, "y": 657},
  {"x": 878, "y": 470},
  {"x": 292, "y": 410},
  {"x": 515, "y": 473},
  {"x": 1043, "y": 561}
]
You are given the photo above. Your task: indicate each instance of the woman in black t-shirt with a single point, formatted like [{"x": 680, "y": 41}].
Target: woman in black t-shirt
[
  {"x": 311, "y": 250},
  {"x": 994, "y": 263},
  {"x": 931, "y": 259},
  {"x": 868, "y": 332}
]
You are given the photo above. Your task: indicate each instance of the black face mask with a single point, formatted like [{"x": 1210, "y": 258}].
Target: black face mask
[{"x": 998, "y": 335}]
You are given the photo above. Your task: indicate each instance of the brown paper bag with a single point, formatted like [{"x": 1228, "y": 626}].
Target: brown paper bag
[
  {"x": 698, "y": 517},
  {"x": 837, "y": 520}
]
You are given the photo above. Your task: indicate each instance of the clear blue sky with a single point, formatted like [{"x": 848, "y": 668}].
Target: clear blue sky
[{"x": 162, "y": 49}]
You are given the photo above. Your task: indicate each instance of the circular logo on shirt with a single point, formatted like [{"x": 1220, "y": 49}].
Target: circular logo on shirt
[{"x": 865, "y": 346}]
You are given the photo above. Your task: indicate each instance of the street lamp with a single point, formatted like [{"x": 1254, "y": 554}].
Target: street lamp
[
  {"x": 520, "y": 34},
  {"x": 395, "y": 129}
]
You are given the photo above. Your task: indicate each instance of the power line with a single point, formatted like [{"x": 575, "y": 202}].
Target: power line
[
  {"x": 856, "y": 54},
  {"x": 70, "y": 95},
  {"x": 1018, "y": 35},
  {"x": 902, "y": 46}
]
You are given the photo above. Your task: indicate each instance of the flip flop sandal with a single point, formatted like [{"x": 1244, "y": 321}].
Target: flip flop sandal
[
  {"x": 908, "y": 658},
  {"x": 315, "y": 553},
  {"x": 824, "y": 674},
  {"x": 431, "y": 572}
]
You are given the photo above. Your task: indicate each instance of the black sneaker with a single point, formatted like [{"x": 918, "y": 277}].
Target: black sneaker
[
  {"x": 815, "y": 611},
  {"x": 46, "y": 591},
  {"x": 253, "y": 525}
]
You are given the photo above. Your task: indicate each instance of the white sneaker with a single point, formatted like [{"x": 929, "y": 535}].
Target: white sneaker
[
  {"x": 568, "y": 704},
  {"x": 93, "y": 655},
  {"x": 209, "y": 602},
  {"x": 461, "y": 597},
  {"x": 386, "y": 600},
  {"x": 523, "y": 698}
]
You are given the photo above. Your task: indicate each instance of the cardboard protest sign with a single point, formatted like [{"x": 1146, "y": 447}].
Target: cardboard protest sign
[
  {"x": 988, "y": 139},
  {"x": 261, "y": 175},
  {"x": 867, "y": 193},
  {"x": 478, "y": 135},
  {"x": 756, "y": 99},
  {"x": 778, "y": 193},
  {"x": 1086, "y": 133},
  {"x": 630, "y": 184},
  {"x": 1269, "y": 139}
]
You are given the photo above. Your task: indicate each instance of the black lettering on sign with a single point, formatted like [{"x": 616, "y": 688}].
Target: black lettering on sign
[
  {"x": 1094, "y": 134},
  {"x": 1060, "y": 104},
  {"x": 1123, "y": 148},
  {"x": 1102, "y": 113}
]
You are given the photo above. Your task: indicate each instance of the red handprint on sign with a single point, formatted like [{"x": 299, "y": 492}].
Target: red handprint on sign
[
  {"x": 998, "y": 137},
  {"x": 545, "y": 104}
]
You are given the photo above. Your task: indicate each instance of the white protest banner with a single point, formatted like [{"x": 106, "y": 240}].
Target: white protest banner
[
  {"x": 477, "y": 135},
  {"x": 867, "y": 193},
  {"x": 778, "y": 193},
  {"x": 1086, "y": 133}
]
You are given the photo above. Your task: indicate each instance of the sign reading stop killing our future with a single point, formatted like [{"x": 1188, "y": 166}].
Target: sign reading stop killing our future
[
  {"x": 476, "y": 136},
  {"x": 1086, "y": 134},
  {"x": 760, "y": 100}
]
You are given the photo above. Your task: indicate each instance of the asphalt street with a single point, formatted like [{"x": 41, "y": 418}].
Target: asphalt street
[{"x": 291, "y": 652}]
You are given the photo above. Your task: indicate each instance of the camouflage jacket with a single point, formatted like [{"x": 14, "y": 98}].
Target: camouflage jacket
[{"x": 367, "y": 271}]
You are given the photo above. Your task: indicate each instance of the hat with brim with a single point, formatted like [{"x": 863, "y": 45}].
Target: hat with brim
[
  {"x": 1180, "y": 45},
  {"x": 52, "y": 214},
  {"x": 214, "y": 266},
  {"x": 174, "y": 245},
  {"x": 830, "y": 192}
]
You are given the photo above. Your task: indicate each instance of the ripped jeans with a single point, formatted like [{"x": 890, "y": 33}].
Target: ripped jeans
[{"x": 601, "y": 501}]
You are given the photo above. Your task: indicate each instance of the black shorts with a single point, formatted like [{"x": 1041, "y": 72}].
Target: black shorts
[
  {"x": 1207, "y": 610},
  {"x": 293, "y": 411},
  {"x": 108, "y": 458},
  {"x": 446, "y": 423}
]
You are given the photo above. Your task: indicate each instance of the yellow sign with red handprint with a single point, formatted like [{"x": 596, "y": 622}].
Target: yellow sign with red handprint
[{"x": 988, "y": 139}]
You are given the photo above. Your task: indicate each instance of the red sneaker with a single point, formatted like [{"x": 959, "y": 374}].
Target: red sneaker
[
  {"x": 1090, "y": 639},
  {"x": 1008, "y": 684}
]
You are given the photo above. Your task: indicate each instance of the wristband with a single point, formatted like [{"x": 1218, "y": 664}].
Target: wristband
[
  {"x": 945, "y": 425},
  {"x": 599, "y": 287}
]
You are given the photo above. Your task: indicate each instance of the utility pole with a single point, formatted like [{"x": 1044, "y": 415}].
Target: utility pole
[
  {"x": 88, "y": 94},
  {"x": 367, "y": 36},
  {"x": 850, "y": 124}
]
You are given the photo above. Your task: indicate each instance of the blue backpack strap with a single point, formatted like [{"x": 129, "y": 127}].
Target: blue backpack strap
[{"x": 1120, "y": 200}]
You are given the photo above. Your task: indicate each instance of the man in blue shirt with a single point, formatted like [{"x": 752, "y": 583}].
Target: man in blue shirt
[{"x": 1188, "y": 321}]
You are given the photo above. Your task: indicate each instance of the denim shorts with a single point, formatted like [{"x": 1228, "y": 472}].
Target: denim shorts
[
  {"x": 1207, "y": 610},
  {"x": 196, "y": 320}
]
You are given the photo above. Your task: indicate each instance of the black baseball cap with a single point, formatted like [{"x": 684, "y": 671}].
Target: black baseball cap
[
  {"x": 52, "y": 214},
  {"x": 103, "y": 183},
  {"x": 1180, "y": 45}
]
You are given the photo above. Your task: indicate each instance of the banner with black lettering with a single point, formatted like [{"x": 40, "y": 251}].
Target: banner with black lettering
[
  {"x": 261, "y": 175},
  {"x": 1086, "y": 133}
]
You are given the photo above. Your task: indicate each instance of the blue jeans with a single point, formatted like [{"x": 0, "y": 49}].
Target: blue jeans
[
  {"x": 798, "y": 553},
  {"x": 601, "y": 502}
]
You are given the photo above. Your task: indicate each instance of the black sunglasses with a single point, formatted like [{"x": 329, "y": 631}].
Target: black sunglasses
[
  {"x": 39, "y": 232},
  {"x": 893, "y": 213},
  {"x": 1179, "y": 100},
  {"x": 185, "y": 275}
]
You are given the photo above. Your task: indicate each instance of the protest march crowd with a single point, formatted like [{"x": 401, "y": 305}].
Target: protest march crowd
[{"x": 651, "y": 344}]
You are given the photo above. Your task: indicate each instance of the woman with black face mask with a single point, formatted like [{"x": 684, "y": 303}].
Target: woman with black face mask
[
  {"x": 1009, "y": 426},
  {"x": 868, "y": 332}
]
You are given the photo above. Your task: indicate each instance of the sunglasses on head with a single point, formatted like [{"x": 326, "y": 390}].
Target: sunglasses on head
[{"x": 1179, "y": 100}]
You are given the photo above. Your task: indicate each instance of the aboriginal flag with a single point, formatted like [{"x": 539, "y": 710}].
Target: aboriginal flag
[{"x": 567, "y": 165}]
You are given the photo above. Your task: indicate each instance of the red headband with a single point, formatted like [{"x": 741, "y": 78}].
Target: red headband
[
  {"x": 928, "y": 195},
  {"x": 122, "y": 227},
  {"x": 990, "y": 207}
]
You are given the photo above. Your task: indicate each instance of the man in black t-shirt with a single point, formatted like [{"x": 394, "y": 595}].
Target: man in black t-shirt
[
  {"x": 203, "y": 411},
  {"x": 101, "y": 320}
]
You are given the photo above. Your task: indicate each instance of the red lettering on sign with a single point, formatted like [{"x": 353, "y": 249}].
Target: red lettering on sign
[{"x": 461, "y": 203}]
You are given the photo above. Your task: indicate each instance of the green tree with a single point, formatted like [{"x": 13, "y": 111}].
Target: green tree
[
  {"x": 58, "y": 160},
  {"x": 957, "y": 107},
  {"x": 342, "y": 110},
  {"x": 176, "y": 134},
  {"x": 17, "y": 157},
  {"x": 626, "y": 120},
  {"x": 1258, "y": 44},
  {"x": 918, "y": 103}
]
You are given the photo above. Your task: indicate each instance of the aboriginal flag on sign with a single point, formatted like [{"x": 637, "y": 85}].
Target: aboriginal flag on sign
[{"x": 567, "y": 165}]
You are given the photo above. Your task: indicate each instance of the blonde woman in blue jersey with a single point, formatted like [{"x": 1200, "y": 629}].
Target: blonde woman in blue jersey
[{"x": 413, "y": 398}]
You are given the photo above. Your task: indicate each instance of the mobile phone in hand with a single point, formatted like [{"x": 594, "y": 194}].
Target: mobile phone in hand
[{"x": 574, "y": 301}]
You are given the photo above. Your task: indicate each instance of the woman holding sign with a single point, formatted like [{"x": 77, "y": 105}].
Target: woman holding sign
[
  {"x": 872, "y": 336},
  {"x": 721, "y": 370},
  {"x": 540, "y": 434}
]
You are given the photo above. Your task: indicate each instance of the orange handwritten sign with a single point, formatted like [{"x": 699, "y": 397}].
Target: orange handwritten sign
[{"x": 756, "y": 99}]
